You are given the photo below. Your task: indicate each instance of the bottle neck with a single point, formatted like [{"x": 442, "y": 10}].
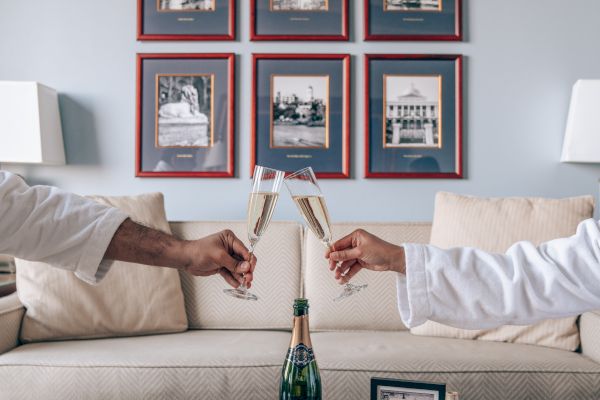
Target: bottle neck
[{"x": 301, "y": 332}]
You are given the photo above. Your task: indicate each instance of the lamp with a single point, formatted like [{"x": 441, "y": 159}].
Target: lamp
[
  {"x": 30, "y": 128},
  {"x": 582, "y": 136}
]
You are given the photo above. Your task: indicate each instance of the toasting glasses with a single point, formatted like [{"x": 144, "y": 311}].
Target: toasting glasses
[
  {"x": 261, "y": 204},
  {"x": 309, "y": 199}
]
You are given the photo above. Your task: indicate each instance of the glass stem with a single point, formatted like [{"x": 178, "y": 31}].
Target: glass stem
[{"x": 243, "y": 285}]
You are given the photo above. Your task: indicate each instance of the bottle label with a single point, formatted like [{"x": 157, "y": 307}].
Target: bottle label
[{"x": 300, "y": 355}]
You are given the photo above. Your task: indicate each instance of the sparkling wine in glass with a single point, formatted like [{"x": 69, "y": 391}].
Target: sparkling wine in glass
[
  {"x": 261, "y": 204},
  {"x": 309, "y": 199}
]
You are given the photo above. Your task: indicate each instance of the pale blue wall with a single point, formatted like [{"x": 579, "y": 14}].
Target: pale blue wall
[{"x": 522, "y": 56}]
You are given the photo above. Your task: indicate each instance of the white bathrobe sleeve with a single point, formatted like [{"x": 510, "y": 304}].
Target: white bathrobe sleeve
[
  {"x": 472, "y": 289},
  {"x": 45, "y": 224}
]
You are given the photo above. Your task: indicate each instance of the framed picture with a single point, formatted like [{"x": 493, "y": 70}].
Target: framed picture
[
  {"x": 301, "y": 113},
  {"x": 393, "y": 389},
  {"x": 413, "y": 20},
  {"x": 186, "y": 20},
  {"x": 413, "y": 116},
  {"x": 299, "y": 19},
  {"x": 185, "y": 115}
]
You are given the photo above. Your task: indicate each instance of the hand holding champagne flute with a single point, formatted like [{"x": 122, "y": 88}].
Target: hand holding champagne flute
[
  {"x": 310, "y": 201},
  {"x": 261, "y": 204}
]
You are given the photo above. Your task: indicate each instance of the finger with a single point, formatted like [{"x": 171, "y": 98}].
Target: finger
[
  {"x": 248, "y": 278},
  {"x": 353, "y": 271},
  {"x": 344, "y": 255},
  {"x": 332, "y": 264},
  {"x": 229, "y": 278},
  {"x": 343, "y": 268},
  {"x": 344, "y": 242}
]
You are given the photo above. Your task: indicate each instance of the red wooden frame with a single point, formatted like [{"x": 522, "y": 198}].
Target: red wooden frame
[
  {"x": 344, "y": 36},
  {"x": 459, "y": 117},
  {"x": 230, "y": 57},
  {"x": 457, "y": 36},
  {"x": 345, "y": 173},
  {"x": 143, "y": 36}
]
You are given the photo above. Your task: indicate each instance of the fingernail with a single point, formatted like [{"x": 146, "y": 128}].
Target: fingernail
[{"x": 245, "y": 266}]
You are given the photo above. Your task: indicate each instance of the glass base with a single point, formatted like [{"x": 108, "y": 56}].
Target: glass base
[
  {"x": 240, "y": 293},
  {"x": 349, "y": 290}
]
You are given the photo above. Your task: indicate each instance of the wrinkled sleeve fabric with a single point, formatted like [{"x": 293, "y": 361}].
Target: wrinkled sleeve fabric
[
  {"x": 46, "y": 224},
  {"x": 473, "y": 289}
]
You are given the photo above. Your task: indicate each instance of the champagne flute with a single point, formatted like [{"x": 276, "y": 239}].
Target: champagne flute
[
  {"x": 309, "y": 199},
  {"x": 261, "y": 204}
]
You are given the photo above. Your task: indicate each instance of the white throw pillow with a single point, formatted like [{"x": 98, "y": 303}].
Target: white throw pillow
[
  {"x": 494, "y": 224},
  {"x": 132, "y": 299}
]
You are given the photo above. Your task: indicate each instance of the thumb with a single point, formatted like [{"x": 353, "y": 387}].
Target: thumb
[
  {"x": 234, "y": 265},
  {"x": 345, "y": 255}
]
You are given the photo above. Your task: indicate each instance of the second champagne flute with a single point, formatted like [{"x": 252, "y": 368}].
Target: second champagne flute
[
  {"x": 309, "y": 199},
  {"x": 261, "y": 204}
]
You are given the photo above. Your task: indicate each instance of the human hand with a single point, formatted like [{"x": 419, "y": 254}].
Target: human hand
[
  {"x": 359, "y": 250},
  {"x": 221, "y": 253}
]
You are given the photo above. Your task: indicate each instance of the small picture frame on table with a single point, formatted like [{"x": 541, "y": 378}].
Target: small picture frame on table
[
  {"x": 394, "y": 389},
  {"x": 413, "y": 116},
  {"x": 413, "y": 20},
  {"x": 186, "y": 20},
  {"x": 301, "y": 113},
  {"x": 185, "y": 115},
  {"x": 299, "y": 19}
]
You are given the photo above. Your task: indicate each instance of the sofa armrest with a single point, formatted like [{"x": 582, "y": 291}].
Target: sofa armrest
[
  {"x": 11, "y": 314},
  {"x": 589, "y": 331}
]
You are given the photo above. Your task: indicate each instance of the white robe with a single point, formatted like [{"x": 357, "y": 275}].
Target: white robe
[
  {"x": 473, "y": 289},
  {"x": 46, "y": 224}
]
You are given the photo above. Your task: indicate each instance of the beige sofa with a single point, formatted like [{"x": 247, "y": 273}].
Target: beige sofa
[{"x": 235, "y": 349}]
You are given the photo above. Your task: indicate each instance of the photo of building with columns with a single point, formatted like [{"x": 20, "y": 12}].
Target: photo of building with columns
[
  {"x": 412, "y": 111},
  {"x": 299, "y": 5}
]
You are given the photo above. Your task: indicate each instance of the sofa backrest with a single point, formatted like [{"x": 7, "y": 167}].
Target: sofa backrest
[
  {"x": 290, "y": 265},
  {"x": 276, "y": 280},
  {"x": 374, "y": 308}
]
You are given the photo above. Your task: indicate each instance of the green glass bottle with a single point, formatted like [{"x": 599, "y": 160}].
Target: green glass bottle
[{"x": 300, "y": 378}]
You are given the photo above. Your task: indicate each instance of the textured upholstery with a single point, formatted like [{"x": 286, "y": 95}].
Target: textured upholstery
[
  {"x": 494, "y": 224},
  {"x": 372, "y": 309},
  {"x": 276, "y": 280},
  {"x": 11, "y": 314},
  {"x": 247, "y": 364},
  {"x": 132, "y": 299},
  {"x": 589, "y": 331}
]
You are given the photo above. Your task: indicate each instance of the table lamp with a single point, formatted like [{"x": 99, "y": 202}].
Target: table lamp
[
  {"x": 582, "y": 136},
  {"x": 30, "y": 128}
]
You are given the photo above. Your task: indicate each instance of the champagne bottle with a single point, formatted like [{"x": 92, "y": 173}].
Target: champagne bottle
[{"x": 300, "y": 378}]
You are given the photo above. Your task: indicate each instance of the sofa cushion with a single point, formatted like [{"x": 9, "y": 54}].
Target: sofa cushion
[
  {"x": 276, "y": 280},
  {"x": 494, "y": 224},
  {"x": 132, "y": 299},
  {"x": 372, "y": 309},
  {"x": 247, "y": 364}
]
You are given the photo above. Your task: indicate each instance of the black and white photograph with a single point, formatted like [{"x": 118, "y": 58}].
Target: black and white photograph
[
  {"x": 186, "y": 5},
  {"x": 299, "y": 5},
  {"x": 394, "y": 389},
  {"x": 184, "y": 112},
  {"x": 300, "y": 111},
  {"x": 412, "y": 5},
  {"x": 412, "y": 111},
  {"x": 406, "y": 394}
]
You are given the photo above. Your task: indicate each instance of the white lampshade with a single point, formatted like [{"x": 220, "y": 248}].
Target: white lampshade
[
  {"x": 582, "y": 136},
  {"x": 30, "y": 128}
]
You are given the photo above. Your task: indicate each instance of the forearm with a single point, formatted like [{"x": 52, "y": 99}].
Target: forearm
[
  {"x": 470, "y": 288},
  {"x": 138, "y": 244}
]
